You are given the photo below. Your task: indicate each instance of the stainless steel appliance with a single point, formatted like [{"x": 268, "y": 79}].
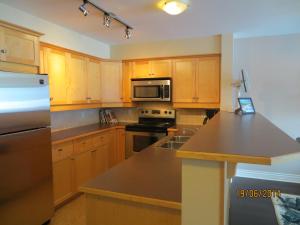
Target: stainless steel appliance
[
  {"x": 26, "y": 195},
  {"x": 151, "y": 89},
  {"x": 153, "y": 124}
]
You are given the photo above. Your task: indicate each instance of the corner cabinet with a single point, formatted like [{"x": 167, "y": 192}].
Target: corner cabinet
[{"x": 19, "y": 49}]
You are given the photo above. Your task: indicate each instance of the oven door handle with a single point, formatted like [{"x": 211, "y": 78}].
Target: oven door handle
[{"x": 162, "y": 94}]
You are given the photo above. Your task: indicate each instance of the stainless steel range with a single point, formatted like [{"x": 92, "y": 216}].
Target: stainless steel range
[{"x": 153, "y": 124}]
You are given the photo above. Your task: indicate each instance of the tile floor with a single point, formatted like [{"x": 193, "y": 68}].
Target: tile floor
[{"x": 72, "y": 213}]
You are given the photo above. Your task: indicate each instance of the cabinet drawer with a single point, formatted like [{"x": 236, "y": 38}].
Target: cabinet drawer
[
  {"x": 83, "y": 144},
  {"x": 62, "y": 151},
  {"x": 102, "y": 139}
]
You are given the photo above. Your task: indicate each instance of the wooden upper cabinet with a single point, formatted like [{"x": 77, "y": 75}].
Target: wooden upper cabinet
[
  {"x": 111, "y": 82},
  {"x": 77, "y": 73},
  {"x": 42, "y": 58},
  {"x": 55, "y": 65},
  {"x": 18, "y": 46},
  {"x": 184, "y": 80},
  {"x": 127, "y": 71},
  {"x": 152, "y": 69},
  {"x": 94, "y": 81},
  {"x": 141, "y": 69},
  {"x": 208, "y": 80},
  {"x": 161, "y": 68}
]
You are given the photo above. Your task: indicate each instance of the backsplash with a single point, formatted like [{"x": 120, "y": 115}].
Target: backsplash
[
  {"x": 190, "y": 116},
  {"x": 70, "y": 119},
  {"x": 183, "y": 116}
]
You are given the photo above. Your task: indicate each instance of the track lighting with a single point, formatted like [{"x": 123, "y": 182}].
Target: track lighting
[
  {"x": 107, "y": 18},
  {"x": 127, "y": 33},
  {"x": 83, "y": 9}
]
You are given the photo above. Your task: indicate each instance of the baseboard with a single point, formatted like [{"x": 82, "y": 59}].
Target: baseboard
[{"x": 290, "y": 178}]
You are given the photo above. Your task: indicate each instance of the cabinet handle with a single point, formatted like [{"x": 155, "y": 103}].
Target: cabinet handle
[
  {"x": 60, "y": 150},
  {"x": 3, "y": 51},
  {"x": 51, "y": 99},
  {"x": 93, "y": 150}
]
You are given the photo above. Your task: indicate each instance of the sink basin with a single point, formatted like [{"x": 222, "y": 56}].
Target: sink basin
[
  {"x": 172, "y": 145},
  {"x": 180, "y": 138}
]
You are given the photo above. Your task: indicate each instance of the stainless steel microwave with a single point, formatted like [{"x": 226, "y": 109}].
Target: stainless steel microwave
[{"x": 151, "y": 89}]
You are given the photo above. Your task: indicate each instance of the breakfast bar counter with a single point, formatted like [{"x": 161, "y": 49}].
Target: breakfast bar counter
[
  {"x": 189, "y": 186},
  {"x": 210, "y": 157}
]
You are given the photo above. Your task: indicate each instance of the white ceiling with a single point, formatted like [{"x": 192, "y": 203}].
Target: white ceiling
[{"x": 203, "y": 18}]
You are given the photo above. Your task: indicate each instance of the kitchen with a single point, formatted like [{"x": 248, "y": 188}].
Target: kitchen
[{"x": 92, "y": 81}]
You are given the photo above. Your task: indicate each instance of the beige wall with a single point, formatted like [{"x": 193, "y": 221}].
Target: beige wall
[{"x": 194, "y": 46}]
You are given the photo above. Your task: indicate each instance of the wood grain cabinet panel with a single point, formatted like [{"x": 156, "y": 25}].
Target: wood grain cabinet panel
[
  {"x": 127, "y": 75},
  {"x": 120, "y": 149},
  {"x": 19, "y": 47},
  {"x": 62, "y": 180},
  {"x": 77, "y": 73},
  {"x": 152, "y": 69},
  {"x": 111, "y": 82},
  {"x": 62, "y": 151},
  {"x": 94, "y": 81},
  {"x": 55, "y": 65},
  {"x": 208, "y": 80},
  {"x": 82, "y": 168},
  {"x": 100, "y": 160},
  {"x": 161, "y": 68},
  {"x": 141, "y": 69},
  {"x": 184, "y": 80}
]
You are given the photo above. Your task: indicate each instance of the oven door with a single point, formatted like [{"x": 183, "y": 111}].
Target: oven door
[{"x": 137, "y": 141}]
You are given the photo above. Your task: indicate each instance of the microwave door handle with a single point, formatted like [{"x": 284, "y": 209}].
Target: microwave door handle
[{"x": 162, "y": 91}]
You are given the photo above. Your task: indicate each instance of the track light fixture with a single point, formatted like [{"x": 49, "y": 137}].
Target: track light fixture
[
  {"x": 83, "y": 9},
  {"x": 127, "y": 33},
  {"x": 107, "y": 18}
]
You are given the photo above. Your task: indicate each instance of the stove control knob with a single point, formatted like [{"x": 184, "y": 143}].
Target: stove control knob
[
  {"x": 170, "y": 112},
  {"x": 146, "y": 111},
  {"x": 166, "y": 112},
  {"x": 143, "y": 111}
]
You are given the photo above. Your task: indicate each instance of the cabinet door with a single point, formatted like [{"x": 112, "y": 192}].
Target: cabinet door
[
  {"x": 111, "y": 82},
  {"x": 82, "y": 168},
  {"x": 77, "y": 73},
  {"x": 94, "y": 81},
  {"x": 161, "y": 68},
  {"x": 127, "y": 71},
  {"x": 19, "y": 47},
  {"x": 62, "y": 180},
  {"x": 208, "y": 80},
  {"x": 100, "y": 160},
  {"x": 141, "y": 69},
  {"x": 42, "y": 58},
  {"x": 184, "y": 81},
  {"x": 112, "y": 151},
  {"x": 55, "y": 64},
  {"x": 120, "y": 149}
]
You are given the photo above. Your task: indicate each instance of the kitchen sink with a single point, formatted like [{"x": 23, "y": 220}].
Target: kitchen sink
[
  {"x": 172, "y": 145},
  {"x": 180, "y": 138}
]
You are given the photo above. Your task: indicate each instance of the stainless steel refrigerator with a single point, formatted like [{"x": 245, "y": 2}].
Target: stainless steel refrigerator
[{"x": 26, "y": 196}]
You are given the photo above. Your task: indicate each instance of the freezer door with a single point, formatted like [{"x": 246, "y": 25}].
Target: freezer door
[
  {"x": 26, "y": 195},
  {"x": 24, "y": 102}
]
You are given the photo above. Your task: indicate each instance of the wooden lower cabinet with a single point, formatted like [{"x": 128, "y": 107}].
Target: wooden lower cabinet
[
  {"x": 62, "y": 180},
  {"x": 100, "y": 160},
  {"x": 75, "y": 162},
  {"x": 82, "y": 168}
]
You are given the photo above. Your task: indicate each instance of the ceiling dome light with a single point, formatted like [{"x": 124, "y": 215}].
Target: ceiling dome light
[{"x": 174, "y": 7}]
